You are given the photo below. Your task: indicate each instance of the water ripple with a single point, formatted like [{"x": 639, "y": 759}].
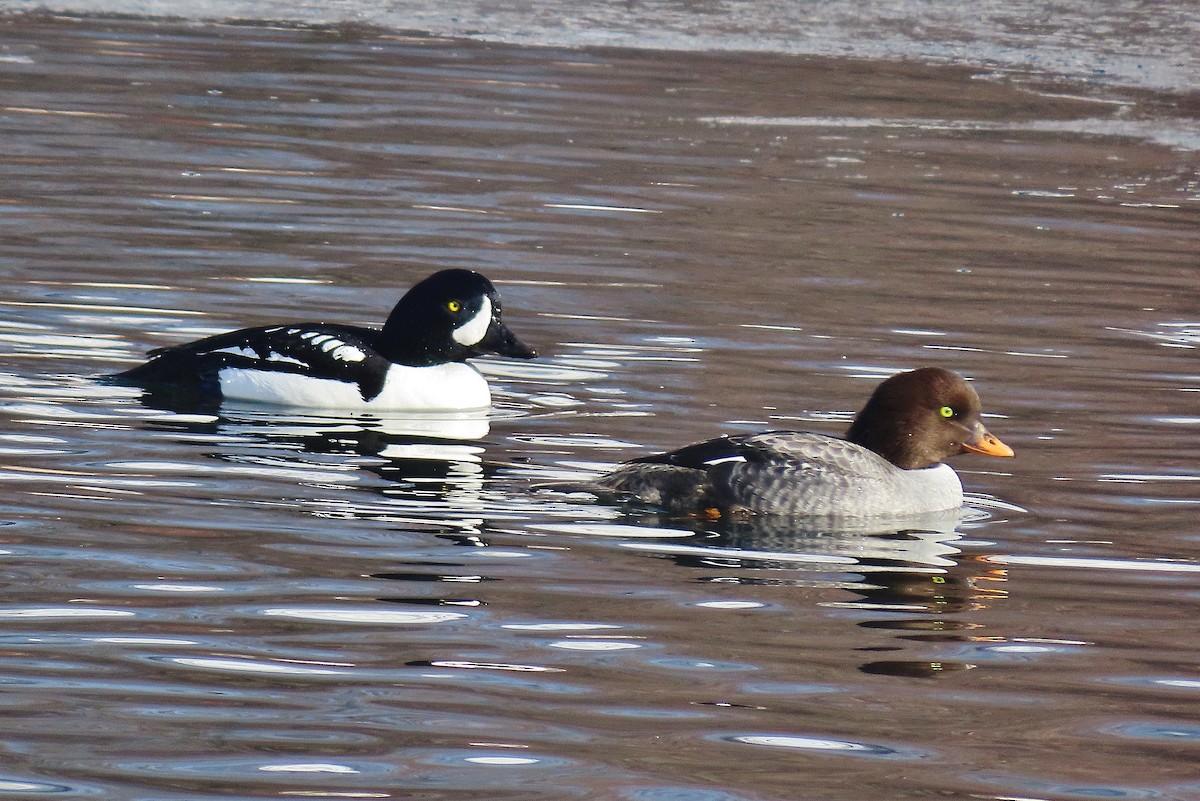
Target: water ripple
[
  {"x": 249, "y": 600},
  {"x": 828, "y": 745}
]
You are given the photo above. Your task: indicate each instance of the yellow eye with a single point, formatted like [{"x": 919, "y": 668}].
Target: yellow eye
[
  {"x": 946, "y": 411},
  {"x": 453, "y": 305}
]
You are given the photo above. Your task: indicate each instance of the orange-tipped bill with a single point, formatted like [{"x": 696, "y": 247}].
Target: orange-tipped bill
[{"x": 987, "y": 443}]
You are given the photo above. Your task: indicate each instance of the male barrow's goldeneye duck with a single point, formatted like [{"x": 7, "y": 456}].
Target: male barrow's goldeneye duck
[
  {"x": 889, "y": 464},
  {"x": 415, "y": 362}
]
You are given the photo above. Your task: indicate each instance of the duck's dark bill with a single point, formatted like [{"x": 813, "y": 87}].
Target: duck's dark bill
[{"x": 503, "y": 342}]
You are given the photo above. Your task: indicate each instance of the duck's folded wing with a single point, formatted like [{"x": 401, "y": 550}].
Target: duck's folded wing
[
  {"x": 803, "y": 450},
  {"x": 318, "y": 350},
  {"x": 698, "y": 456},
  {"x": 791, "y": 472},
  {"x": 796, "y": 450}
]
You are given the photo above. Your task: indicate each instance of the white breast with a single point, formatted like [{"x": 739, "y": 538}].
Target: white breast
[
  {"x": 933, "y": 489},
  {"x": 453, "y": 387}
]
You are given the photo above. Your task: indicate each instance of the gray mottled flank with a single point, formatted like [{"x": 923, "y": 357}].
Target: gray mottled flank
[{"x": 792, "y": 473}]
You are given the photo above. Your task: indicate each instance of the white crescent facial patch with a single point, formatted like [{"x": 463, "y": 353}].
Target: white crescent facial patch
[{"x": 473, "y": 330}]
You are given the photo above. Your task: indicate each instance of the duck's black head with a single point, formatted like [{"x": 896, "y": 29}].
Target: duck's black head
[{"x": 450, "y": 316}]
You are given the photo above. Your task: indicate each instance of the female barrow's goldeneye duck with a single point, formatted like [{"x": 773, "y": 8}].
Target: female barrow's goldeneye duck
[
  {"x": 890, "y": 462},
  {"x": 415, "y": 362}
]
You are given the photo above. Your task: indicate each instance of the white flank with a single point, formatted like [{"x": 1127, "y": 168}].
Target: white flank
[
  {"x": 473, "y": 330},
  {"x": 455, "y": 386},
  {"x": 450, "y": 387},
  {"x": 288, "y": 389}
]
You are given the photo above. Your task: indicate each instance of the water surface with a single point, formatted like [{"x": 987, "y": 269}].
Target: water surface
[{"x": 271, "y": 604}]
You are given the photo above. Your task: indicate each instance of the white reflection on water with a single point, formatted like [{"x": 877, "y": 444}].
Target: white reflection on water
[
  {"x": 265, "y": 468},
  {"x": 931, "y": 559},
  {"x": 1093, "y": 564},
  {"x": 592, "y": 207},
  {"x": 385, "y": 616},
  {"x": 308, "y": 767},
  {"x": 248, "y": 665},
  {"x": 1179, "y": 135},
  {"x": 82, "y": 612},
  {"x": 559, "y": 626},
  {"x": 285, "y": 423},
  {"x": 612, "y": 530},
  {"x": 829, "y": 745},
  {"x": 14, "y": 786},
  {"x": 182, "y": 588},
  {"x": 465, "y": 665},
  {"x": 163, "y": 641},
  {"x": 592, "y": 645},
  {"x": 731, "y": 604},
  {"x": 812, "y": 743}
]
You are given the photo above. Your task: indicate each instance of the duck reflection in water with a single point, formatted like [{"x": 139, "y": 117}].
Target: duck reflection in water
[
  {"x": 911, "y": 578},
  {"x": 433, "y": 462}
]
